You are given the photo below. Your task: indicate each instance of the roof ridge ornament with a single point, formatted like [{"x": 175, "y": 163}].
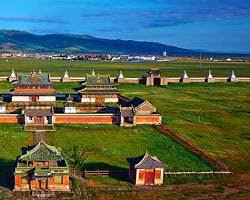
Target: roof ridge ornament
[{"x": 93, "y": 72}]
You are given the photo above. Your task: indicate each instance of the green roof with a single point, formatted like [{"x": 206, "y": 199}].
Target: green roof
[
  {"x": 42, "y": 152},
  {"x": 33, "y": 79},
  {"x": 93, "y": 80}
]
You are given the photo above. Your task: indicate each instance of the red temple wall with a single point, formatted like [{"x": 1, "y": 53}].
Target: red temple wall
[
  {"x": 10, "y": 120},
  {"x": 148, "y": 119},
  {"x": 87, "y": 119}
]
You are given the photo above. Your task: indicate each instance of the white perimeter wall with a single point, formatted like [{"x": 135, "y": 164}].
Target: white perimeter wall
[
  {"x": 111, "y": 100},
  {"x": 20, "y": 98},
  {"x": 88, "y": 100},
  {"x": 70, "y": 110},
  {"x": 46, "y": 98}
]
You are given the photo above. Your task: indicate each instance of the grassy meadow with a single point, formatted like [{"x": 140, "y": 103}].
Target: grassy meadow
[
  {"x": 12, "y": 139},
  {"x": 214, "y": 116},
  {"x": 173, "y": 68}
]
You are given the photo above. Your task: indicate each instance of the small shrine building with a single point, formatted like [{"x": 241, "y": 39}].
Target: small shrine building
[
  {"x": 38, "y": 116},
  {"x": 42, "y": 169},
  {"x": 138, "y": 111},
  {"x": 146, "y": 170}
]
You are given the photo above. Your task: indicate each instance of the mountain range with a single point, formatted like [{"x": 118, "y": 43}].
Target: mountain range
[{"x": 20, "y": 41}]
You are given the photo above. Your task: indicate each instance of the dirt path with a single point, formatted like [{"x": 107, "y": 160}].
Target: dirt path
[
  {"x": 38, "y": 136},
  {"x": 193, "y": 148}
]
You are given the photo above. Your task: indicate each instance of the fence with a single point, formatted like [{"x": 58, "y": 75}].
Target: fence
[{"x": 96, "y": 173}]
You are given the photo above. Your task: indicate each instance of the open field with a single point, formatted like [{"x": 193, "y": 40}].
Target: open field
[
  {"x": 80, "y": 68},
  {"x": 108, "y": 146},
  {"x": 12, "y": 139},
  {"x": 213, "y": 116}
]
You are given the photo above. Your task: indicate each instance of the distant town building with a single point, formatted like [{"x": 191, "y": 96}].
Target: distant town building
[
  {"x": 146, "y": 170},
  {"x": 42, "y": 169},
  {"x": 164, "y": 54}
]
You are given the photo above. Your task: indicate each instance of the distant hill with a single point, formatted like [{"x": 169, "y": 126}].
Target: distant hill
[{"x": 19, "y": 41}]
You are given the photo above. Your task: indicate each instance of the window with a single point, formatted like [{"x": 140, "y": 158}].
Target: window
[
  {"x": 141, "y": 174},
  {"x": 157, "y": 174},
  {"x": 25, "y": 179},
  {"x": 58, "y": 180}
]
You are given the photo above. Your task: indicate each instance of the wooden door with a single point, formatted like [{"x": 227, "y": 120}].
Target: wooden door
[
  {"x": 149, "y": 177},
  {"x": 34, "y": 99},
  {"x": 99, "y": 99},
  {"x": 43, "y": 184},
  {"x": 39, "y": 120}
]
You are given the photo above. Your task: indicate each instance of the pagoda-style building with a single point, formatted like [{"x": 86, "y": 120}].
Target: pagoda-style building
[
  {"x": 99, "y": 89},
  {"x": 33, "y": 88},
  {"x": 146, "y": 170},
  {"x": 42, "y": 169}
]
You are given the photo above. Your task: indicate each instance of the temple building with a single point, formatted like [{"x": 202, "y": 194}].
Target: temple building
[
  {"x": 42, "y": 169},
  {"x": 146, "y": 170},
  {"x": 38, "y": 118},
  {"x": 138, "y": 111},
  {"x": 33, "y": 88},
  {"x": 99, "y": 89}
]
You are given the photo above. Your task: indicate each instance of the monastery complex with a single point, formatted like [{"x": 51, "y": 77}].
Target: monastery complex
[{"x": 34, "y": 104}]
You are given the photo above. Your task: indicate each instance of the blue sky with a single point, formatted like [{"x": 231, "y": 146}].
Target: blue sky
[{"x": 219, "y": 25}]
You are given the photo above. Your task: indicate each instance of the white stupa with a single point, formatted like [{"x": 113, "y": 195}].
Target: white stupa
[
  {"x": 66, "y": 77},
  {"x": 93, "y": 72},
  {"x": 185, "y": 74},
  {"x": 185, "y": 78},
  {"x": 209, "y": 78},
  {"x": 121, "y": 75},
  {"x": 12, "y": 76},
  {"x": 232, "y": 77}
]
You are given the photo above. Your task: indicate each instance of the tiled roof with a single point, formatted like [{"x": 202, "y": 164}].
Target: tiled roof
[
  {"x": 98, "y": 80},
  {"x": 136, "y": 101},
  {"x": 42, "y": 152},
  {"x": 99, "y": 90},
  {"x": 127, "y": 111},
  {"x": 154, "y": 71},
  {"x": 33, "y": 79},
  {"x": 38, "y": 112},
  {"x": 145, "y": 162}
]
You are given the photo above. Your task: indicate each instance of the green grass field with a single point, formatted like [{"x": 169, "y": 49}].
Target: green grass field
[
  {"x": 80, "y": 68},
  {"x": 213, "y": 116},
  {"x": 111, "y": 145},
  {"x": 12, "y": 139}
]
